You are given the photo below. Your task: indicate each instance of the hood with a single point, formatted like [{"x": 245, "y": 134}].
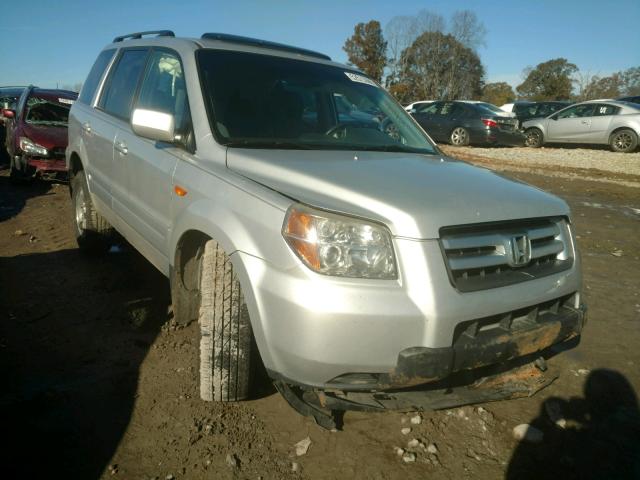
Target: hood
[
  {"x": 414, "y": 195},
  {"x": 48, "y": 136}
]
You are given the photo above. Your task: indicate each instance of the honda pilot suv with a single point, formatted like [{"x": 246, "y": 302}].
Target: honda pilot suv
[{"x": 347, "y": 261}]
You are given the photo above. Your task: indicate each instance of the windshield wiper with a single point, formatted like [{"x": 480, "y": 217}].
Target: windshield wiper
[
  {"x": 275, "y": 144},
  {"x": 393, "y": 148}
]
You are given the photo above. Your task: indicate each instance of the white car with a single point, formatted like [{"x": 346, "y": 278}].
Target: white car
[{"x": 412, "y": 106}]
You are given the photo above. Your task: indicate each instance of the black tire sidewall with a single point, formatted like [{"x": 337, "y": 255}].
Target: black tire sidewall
[{"x": 539, "y": 137}]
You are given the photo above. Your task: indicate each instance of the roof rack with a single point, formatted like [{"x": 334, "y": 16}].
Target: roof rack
[
  {"x": 254, "y": 42},
  {"x": 136, "y": 35}
]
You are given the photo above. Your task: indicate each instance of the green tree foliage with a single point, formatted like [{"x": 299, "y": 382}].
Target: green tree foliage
[
  {"x": 498, "y": 93},
  {"x": 366, "y": 49},
  {"x": 630, "y": 81},
  {"x": 623, "y": 83},
  {"x": 549, "y": 80},
  {"x": 437, "y": 66}
]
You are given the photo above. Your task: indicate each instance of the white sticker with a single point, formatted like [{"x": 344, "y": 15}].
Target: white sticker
[
  {"x": 66, "y": 100},
  {"x": 354, "y": 77}
]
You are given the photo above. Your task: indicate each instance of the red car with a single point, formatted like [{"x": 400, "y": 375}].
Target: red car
[{"x": 36, "y": 136}]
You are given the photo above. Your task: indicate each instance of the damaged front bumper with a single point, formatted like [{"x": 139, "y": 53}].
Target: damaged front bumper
[{"x": 482, "y": 365}]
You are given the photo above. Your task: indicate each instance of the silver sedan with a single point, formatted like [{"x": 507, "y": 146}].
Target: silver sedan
[{"x": 603, "y": 122}]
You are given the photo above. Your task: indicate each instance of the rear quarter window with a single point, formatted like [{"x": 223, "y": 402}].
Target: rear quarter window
[{"x": 93, "y": 79}]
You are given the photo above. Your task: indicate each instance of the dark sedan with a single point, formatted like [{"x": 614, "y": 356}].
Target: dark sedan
[
  {"x": 630, "y": 99},
  {"x": 464, "y": 123},
  {"x": 530, "y": 110}
]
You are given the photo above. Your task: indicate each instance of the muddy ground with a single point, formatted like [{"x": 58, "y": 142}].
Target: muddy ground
[{"x": 98, "y": 383}]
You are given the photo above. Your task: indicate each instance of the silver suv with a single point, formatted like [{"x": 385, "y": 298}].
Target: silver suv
[{"x": 346, "y": 256}]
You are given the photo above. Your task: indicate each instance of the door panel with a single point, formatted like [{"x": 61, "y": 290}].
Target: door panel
[
  {"x": 572, "y": 125},
  {"x": 149, "y": 165},
  {"x": 602, "y": 116}
]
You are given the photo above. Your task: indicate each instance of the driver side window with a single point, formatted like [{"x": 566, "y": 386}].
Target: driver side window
[
  {"x": 577, "y": 111},
  {"x": 164, "y": 89}
]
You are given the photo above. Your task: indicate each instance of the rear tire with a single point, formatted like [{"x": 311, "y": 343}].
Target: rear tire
[
  {"x": 624, "y": 141},
  {"x": 460, "y": 137},
  {"x": 226, "y": 349},
  {"x": 534, "y": 138},
  {"x": 93, "y": 233}
]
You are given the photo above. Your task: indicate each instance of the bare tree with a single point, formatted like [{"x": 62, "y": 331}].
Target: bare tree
[
  {"x": 401, "y": 31},
  {"x": 468, "y": 29}
]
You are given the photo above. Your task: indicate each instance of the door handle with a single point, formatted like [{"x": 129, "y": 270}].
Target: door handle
[
  {"x": 86, "y": 126},
  {"x": 122, "y": 148}
]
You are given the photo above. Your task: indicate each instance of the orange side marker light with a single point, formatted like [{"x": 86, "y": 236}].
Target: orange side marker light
[{"x": 181, "y": 192}]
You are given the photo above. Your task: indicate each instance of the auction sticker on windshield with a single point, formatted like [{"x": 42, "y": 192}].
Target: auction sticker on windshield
[
  {"x": 65, "y": 100},
  {"x": 354, "y": 77}
]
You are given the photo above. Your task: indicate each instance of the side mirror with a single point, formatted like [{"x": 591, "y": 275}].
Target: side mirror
[
  {"x": 8, "y": 113},
  {"x": 153, "y": 125}
]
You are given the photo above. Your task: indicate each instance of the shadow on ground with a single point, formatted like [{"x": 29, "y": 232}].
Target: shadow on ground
[
  {"x": 601, "y": 440},
  {"x": 13, "y": 198},
  {"x": 73, "y": 333}
]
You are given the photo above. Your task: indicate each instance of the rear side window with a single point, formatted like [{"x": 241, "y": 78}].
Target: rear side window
[
  {"x": 121, "y": 85},
  {"x": 93, "y": 80},
  {"x": 602, "y": 110}
]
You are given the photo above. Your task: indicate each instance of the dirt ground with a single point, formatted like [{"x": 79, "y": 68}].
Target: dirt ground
[{"x": 98, "y": 383}]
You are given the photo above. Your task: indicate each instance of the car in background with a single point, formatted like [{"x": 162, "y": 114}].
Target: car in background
[
  {"x": 36, "y": 132},
  {"x": 8, "y": 98},
  {"x": 464, "y": 122},
  {"x": 630, "y": 99},
  {"x": 594, "y": 122},
  {"x": 416, "y": 105},
  {"x": 528, "y": 110}
]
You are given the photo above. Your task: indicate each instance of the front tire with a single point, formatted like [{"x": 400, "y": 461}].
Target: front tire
[
  {"x": 534, "y": 138},
  {"x": 624, "y": 141},
  {"x": 226, "y": 349},
  {"x": 93, "y": 232},
  {"x": 460, "y": 137}
]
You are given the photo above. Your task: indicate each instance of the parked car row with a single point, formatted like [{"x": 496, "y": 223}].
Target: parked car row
[
  {"x": 597, "y": 122},
  {"x": 34, "y": 130}
]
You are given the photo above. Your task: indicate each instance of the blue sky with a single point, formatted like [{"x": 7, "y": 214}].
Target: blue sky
[{"x": 46, "y": 42}]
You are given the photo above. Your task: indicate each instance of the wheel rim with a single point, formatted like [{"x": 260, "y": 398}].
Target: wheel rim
[
  {"x": 459, "y": 136},
  {"x": 81, "y": 211},
  {"x": 623, "y": 141},
  {"x": 533, "y": 138}
]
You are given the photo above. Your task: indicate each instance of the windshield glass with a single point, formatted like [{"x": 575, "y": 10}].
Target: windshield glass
[
  {"x": 263, "y": 101},
  {"x": 48, "y": 110}
]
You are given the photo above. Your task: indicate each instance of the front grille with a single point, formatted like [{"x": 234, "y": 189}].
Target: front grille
[{"x": 481, "y": 256}]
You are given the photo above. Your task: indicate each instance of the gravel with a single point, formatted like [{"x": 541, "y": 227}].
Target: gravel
[{"x": 580, "y": 158}]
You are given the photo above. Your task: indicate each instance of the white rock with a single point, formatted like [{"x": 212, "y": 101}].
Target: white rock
[
  {"x": 413, "y": 443},
  {"x": 432, "y": 448},
  {"x": 405, "y": 431},
  {"x": 583, "y": 371},
  {"x": 527, "y": 433},
  {"x": 416, "y": 420},
  {"x": 399, "y": 451},
  {"x": 409, "y": 457},
  {"x": 295, "y": 467},
  {"x": 302, "y": 446}
]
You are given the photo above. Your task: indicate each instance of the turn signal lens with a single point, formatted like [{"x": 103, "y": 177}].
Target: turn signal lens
[{"x": 338, "y": 245}]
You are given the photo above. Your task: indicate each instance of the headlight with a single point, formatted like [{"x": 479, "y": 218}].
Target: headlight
[
  {"x": 339, "y": 245},
  {"x": 27, "y": 146}
]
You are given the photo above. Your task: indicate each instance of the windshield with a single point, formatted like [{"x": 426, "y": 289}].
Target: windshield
[
  {"x": 491, "y": 107},
  {"x": 263, "y": 101},
  {"x": 48, "y": 110}
]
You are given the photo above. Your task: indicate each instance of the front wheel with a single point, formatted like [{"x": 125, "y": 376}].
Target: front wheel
[
  {"x": 226, "y": 347},
  {"x": 624, "y": 141},
  {"x": 460, "y": 137},
  {"x": 93, "y": 232},
  {"x": 533, "y": 138}
]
